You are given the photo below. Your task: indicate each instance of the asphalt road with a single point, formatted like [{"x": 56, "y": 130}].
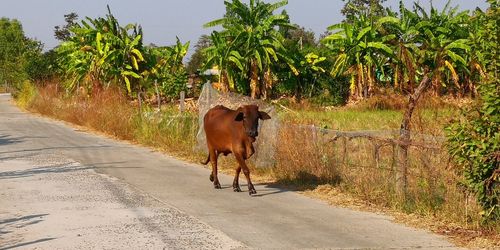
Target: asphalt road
[{"x": 275, "y": 218}]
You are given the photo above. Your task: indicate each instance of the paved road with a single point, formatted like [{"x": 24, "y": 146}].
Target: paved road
[
  {"x": 48, "y": 201},
  {"x": 275, "y": 218}
]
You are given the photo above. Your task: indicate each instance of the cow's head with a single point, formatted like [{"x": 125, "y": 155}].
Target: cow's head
[{"x": 250, "y": 115}]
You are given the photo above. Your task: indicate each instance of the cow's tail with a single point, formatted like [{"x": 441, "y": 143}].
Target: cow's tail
[{"x": 206, "y": 161}]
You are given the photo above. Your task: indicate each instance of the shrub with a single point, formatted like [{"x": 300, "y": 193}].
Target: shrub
[
  {"x": 474, "y": 143},
  {"x": 26, "y": 94}
]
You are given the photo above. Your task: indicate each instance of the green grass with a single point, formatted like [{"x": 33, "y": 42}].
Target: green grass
[
  {"x": 348, "y": 120},
  {"x": 428, "y": 120}
]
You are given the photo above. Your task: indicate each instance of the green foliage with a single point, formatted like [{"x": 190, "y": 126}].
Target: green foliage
[
  {"x": 359, "y": 48},
  {"x": 249, "y": 43},
  {"x": 166, "y": 67},
  {"x": 474, "y": 142},
  {"x": 18, "y": 54},
  {"x": 355, "y": 8},
  {"x": 100, "y": 52},
  {"x": 174, "y": 83},
  {"x": 26, "y": 94},
  {"x": 196, "y": 61},
  {"x": 485, "y": 38},
  {"x": 63, "y": 33},
  {"x": 443, "y": 45},
  {"x": 398, "y": 48},
  {"x": 42, "y": 67}
]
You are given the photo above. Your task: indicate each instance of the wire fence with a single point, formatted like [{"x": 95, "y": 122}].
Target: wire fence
[
  {"x": 379, "y": 158},
  {"x": 400, "y": 166}
]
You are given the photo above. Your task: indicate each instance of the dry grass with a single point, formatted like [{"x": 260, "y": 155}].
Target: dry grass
[
  {"x": 457, "y": 233},
  {"x": 100, "y": 112},
  {"x": 306, "y": 156},
  {"x": 110, "y": 112},
  {"x": 347, "y": 175}
]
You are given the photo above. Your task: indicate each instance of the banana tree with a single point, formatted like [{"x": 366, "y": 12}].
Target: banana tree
[
  {"x": 100, "y": 50},
  {"x": 223, "y": 55},
  {"x": 443, "y": 43},
  {"x": 128, "y": 58},
  {"x": 250, "y": 29},
  {"x": 164, "y": 65},
  {"x": 404, "y": 62},
  {"x": 360, "y": 48}
]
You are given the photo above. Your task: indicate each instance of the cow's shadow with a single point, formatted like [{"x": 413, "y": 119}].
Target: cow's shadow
[
  {"x": 303, "y": 181},
  {"x": 265, "y": 189}
]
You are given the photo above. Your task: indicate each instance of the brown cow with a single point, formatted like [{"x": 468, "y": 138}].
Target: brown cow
[{"x": 232, "y": 131}]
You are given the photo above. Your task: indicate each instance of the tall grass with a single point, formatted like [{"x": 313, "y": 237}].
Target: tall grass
[
  {"x": 305, "y": 157},
  {"x": 168, "y": 130},
  {"x": 309, "y": 158},
  {"x": 109, "y": 111},
  {"x": 26, "y": 95},
  {"x": 311, "y": 162}
]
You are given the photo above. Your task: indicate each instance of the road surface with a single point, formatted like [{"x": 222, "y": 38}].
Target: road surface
[{"x": 61, "y": 188}]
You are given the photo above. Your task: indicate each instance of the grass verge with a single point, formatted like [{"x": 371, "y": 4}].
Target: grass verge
[{"x": 306, "y": 160}]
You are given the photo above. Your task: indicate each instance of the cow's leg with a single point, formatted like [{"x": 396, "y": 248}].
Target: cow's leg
[
  {"x": 246, "y": 171},
  {"x": 213, "y": 176},
  {"x": 236, "y": 184}
]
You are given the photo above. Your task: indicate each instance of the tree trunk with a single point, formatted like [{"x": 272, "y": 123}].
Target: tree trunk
[
  {"x": 404, "y": 137},
  {"x": 267, "y": 85},
  {"x": 158, "y": 97},
  {"x": 352, "y": 88},
  {"x": 371, "y": 86},
  {"x": 396, "y": 78},
  {"x": 361, "y": 81},
  {"x": 224, "y": 81},
  {"x": 139, "y": 100},
  {"x": 298, "y": 90},
  {"x": 254, "y": 80}
]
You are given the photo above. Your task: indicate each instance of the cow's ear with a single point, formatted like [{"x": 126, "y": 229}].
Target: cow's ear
[
  {"x": 264, "y": 115},
  {"x": 239, "y": 117}
]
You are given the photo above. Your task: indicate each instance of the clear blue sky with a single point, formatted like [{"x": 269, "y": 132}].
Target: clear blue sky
[{"x": 163, "y": 20}]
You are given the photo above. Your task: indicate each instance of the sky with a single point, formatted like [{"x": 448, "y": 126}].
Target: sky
[{"x": 163, "y": 20}]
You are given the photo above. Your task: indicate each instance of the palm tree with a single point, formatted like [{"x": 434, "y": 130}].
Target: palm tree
[{"x": 250, "y": 29}]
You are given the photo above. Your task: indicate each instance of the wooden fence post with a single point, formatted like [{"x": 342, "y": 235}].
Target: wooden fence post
[
  {"x": 344, "y": 154},
  {"x": 139, "y": 99},
  {"x": 402, "y": 168},
  {"x": 394, "y": 157},
  {"x": 158, "y": 98},
  {"x": 404, "y": 136},
  {"x": 181, "y": 101},
  {"x": 376, "y": 154}
]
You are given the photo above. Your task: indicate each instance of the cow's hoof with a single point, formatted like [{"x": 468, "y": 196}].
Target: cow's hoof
[
  {"x": 236, "y": 189},
  {"x": 252, "y": 191},
  {"x": 211, "y": 177},
  {"x": 217, "y": 186}
]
